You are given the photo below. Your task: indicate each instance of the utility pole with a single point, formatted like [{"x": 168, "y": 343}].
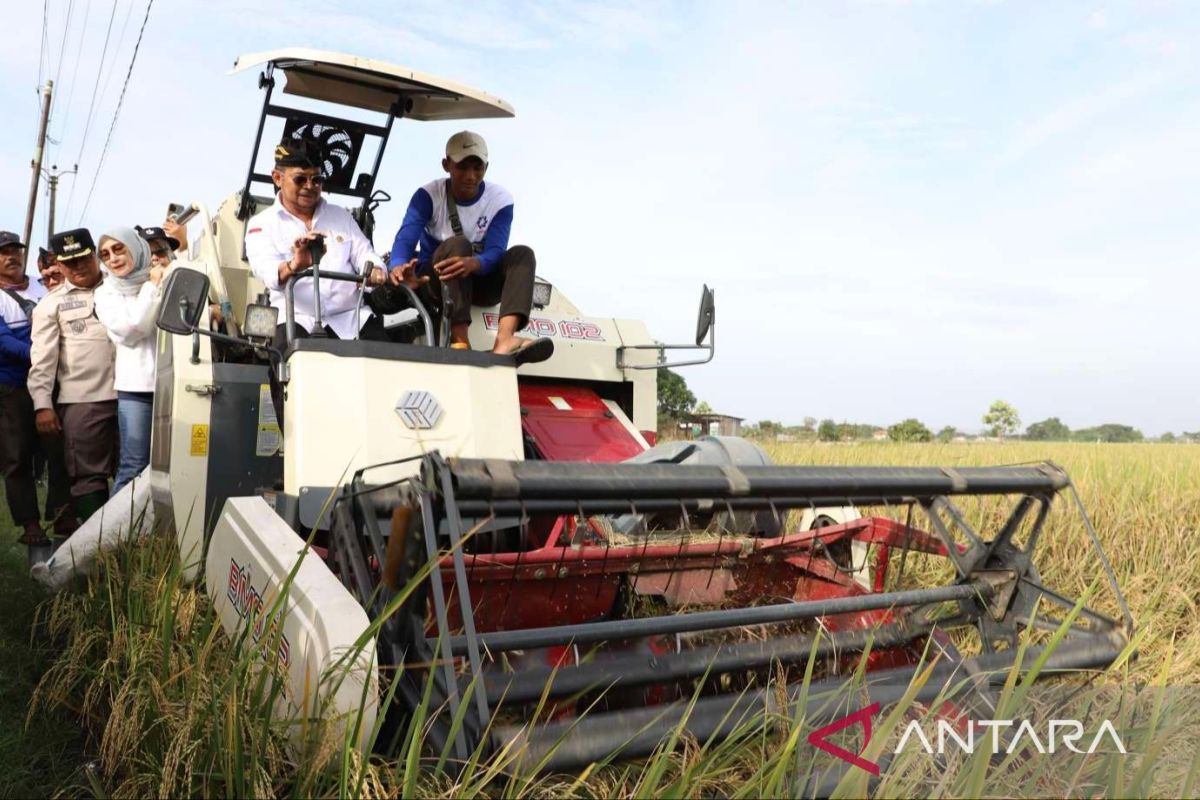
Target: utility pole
[
  {"x": 52, "y": 176},
  {"x": 37, "y": 160},
  {"x": 52, "y": 180}
]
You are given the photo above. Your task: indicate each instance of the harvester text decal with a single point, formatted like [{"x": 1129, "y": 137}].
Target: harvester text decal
[
  {"x": 540, "y": 326},
  {"x": 248, "y": 603}
]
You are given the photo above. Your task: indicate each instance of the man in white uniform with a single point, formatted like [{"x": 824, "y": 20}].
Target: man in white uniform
[{"x": 277, "y": 247}]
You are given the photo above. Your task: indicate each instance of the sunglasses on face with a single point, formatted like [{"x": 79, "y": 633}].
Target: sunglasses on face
[
  {"x": 161, "y": 252},
  {"x": 300, "y": 181}
]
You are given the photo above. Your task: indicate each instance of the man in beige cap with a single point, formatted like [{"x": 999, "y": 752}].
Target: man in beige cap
[
  {"x": 71, "y": 348},
  {"x": 456, "y": 231}
]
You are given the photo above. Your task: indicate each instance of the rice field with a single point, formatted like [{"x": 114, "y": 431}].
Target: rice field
[
  {"x": 170, "y": 706},
  {"x": 1144, "y": 501}
]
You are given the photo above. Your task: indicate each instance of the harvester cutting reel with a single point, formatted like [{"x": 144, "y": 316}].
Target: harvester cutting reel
[{"x": 692, "y": 582}]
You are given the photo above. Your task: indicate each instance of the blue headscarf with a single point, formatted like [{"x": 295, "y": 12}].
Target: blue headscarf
[{"x": 139, "y": 251}]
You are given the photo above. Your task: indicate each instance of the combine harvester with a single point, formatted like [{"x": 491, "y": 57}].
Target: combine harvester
[{"x": 574, "y": 564}]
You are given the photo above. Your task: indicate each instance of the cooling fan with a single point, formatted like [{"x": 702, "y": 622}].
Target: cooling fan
[{"x": 339, "y": 149}]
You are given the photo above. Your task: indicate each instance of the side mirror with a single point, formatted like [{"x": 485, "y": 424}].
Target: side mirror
[
  {"x": 708, "y": 311},
  {"x": 706, "y": 340},
  {"x": 184, "y": 298}
]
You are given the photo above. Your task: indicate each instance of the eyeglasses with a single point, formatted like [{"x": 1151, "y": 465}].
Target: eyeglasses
[
  {"x": 303, "y": 180},
  {"x": 161, "y": 252}
]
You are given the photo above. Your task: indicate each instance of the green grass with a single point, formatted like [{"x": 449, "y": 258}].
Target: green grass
[{"x": 48, "y": 754}]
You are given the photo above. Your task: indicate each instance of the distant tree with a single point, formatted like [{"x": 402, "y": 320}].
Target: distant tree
[
  {"x": 827, "y": 431},
  {"x": 769, "y": 428},
  {"x": 810, "y": 423},
  {"x": 1167, "y": 438},
  {"x": 947, "y": 434},
  {"x": 1048, "y": 430},
  {"x": 863, "y": 430},
  {"x": 909, "y": 430},
  {"x": 702, "y": 408},
  {"x": 1109, "y": 432},
  {"x": 674, "y": 398},
  {"x": 1002, "y": 419}
]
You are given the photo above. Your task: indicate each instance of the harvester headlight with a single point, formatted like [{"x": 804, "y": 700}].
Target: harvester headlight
[
  {"x": 541, "y": 294},
  {"x": 261, "y": 320}
]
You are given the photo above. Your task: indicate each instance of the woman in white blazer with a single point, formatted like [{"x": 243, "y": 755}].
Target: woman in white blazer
[{"x": 127, "y": 305}]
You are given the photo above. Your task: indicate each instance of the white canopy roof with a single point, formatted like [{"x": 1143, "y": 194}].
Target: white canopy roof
[{"x": 374, "y": 85}]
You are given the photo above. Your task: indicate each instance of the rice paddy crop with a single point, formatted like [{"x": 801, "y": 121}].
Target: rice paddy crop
[{"x": 174, "y": 707}]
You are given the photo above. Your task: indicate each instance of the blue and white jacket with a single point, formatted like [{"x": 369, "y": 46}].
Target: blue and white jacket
[
  {"x": 486, "y": 220},
  {"x": 15, "y": 335}
]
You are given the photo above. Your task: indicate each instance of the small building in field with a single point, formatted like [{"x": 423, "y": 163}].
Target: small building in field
[
  {"x": 879, "y": 434},
  {"x": 715, "y": 425}
]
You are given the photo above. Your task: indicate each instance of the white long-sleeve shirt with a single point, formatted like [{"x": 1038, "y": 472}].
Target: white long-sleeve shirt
[
  {"x": 269, "y": 238},
  {"x": 129, "y": 320}
]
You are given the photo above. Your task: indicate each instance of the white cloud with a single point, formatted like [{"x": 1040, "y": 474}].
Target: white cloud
[{"x": 1079, "y": 112}]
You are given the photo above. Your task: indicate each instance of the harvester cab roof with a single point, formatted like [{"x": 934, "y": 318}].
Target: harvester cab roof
[
  {"x": 351, "y": 82},
  {"x": 512, "y": 538}
]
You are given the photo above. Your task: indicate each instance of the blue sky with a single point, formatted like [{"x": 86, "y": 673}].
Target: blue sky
[{"x": 907, "y": 209}]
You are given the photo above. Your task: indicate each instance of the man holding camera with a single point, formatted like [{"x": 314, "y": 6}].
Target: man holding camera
[
  {"x": 282, "y": 240},
  {"x": 163, "y": 246}
]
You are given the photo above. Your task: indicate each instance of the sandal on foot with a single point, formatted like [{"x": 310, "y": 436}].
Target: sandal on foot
[{"x": 532, "y": 351}]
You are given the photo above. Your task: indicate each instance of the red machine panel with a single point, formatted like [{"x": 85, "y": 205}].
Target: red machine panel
[{"x": 572, "y": 423}]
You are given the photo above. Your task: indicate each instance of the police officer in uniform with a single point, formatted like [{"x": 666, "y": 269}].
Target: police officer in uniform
[{"x": 70, "y": 347}]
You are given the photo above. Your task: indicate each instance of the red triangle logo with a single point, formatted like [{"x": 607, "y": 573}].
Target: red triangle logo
[{"x": 817, "y": 738}]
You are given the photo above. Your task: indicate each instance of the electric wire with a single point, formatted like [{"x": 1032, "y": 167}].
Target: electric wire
[
  {"x": 62, "y": 48},
  {"x": 99, "y": 74},
  {"x": 44, "y": 42},
  {"x": 117, "y": 50},
  {"x": 117, "y": 112},
  {"x": 74, "y": 72},
  {"x": 87, "y": 126}
]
